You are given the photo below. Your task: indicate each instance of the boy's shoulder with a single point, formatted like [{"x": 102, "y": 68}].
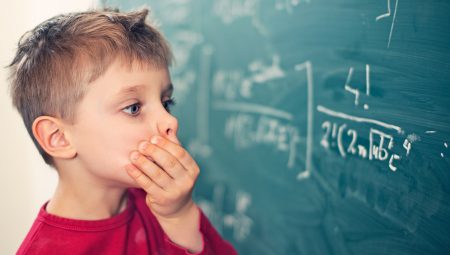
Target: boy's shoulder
[
  {"x": 133, "y": 231},
  {"x": 51, "y": 234}
]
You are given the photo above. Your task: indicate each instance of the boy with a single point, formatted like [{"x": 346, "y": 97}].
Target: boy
[{"x": 94, "y": 91}]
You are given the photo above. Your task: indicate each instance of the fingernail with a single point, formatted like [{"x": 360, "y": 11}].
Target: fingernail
[
  {"x": 143, "y": 145},
  {"x": 134, "y": 156},
  {"x": 155, "y": 139}
]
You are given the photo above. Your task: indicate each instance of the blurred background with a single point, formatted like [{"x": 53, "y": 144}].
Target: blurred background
[{"x": 25, "y": 181}]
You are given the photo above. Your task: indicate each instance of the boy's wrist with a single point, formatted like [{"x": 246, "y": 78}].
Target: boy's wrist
[
  {"x": 182, "y": 213},
  {"x": 183, "y": 229}
]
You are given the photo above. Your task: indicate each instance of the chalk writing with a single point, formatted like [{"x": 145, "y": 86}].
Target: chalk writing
[
  {"x": 446, "y": 147},
  {"x": 253, "y": 108},
  {"x": 355, "y": 91},
  {"x": 233, "y": 83},
  {"x": 254, "y": 124},
  {"x": 237, "y": 220},
  {"x": 183, "y": 42},
  {"x": 179, "y": 13},
  {"x": 200, "y": 144},
  {"x": 231, "y": 10},
  {"x": 341, "y": 115},
  {"x": 346, "y": 140},
  {"x": 388, "y": 14},
  {"x": 288, "y": 5},
  {"x": 307, "y": 67},
  {"x": 248, "y": 130},
  {"x": 184, "y": 83},
  {"x": 228, "y": 84},
  {"x": 381, "y": 143},
  {"x": 407, "y": 146},
  {"x": 261, "y": 73}
]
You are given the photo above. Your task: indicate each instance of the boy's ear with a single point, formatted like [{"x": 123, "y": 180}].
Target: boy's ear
[{"x": 50, "y": 134}]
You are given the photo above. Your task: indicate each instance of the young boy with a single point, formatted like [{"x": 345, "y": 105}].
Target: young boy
[{"x": 94, "y": 92}]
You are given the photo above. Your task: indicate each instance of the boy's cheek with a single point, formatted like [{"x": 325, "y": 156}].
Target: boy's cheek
[
  {"x": 121, "y": 174},
  {"x": 128, "y": 140},
  {"x": 128, "y": 145}
]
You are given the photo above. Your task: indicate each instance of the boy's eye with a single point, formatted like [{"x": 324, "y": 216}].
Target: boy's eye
[
  {"x": 168, "y": 104},
  {"x": 133, "y": 109}
]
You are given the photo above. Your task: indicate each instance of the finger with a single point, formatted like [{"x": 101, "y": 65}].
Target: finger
[
  {"x": 178, "y": 152},
  {"x": 164, "y": 159},
  {"x": 151, "y": 170},
  {"x": 155, "y": 194},
  {"x": 144, "y": 181}
]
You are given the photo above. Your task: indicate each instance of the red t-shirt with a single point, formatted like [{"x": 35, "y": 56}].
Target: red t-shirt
[{"x": 133, "y": 231}]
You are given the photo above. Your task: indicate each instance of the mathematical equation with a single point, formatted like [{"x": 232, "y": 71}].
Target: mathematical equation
[
  {"x": 233, "y": 84},
  {"x": 248, "y": 130},
  {"x": 346, "y": 140},
  {"x": 252, "y": 124}
]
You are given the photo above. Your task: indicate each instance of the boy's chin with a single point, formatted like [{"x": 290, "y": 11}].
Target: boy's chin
[{"x": 127, "y": 182}]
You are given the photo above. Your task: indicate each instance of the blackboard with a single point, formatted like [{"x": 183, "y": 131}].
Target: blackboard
[{"x": 321, "y": 126}]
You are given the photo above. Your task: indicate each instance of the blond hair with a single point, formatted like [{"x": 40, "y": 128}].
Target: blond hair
[{"x": 57, "y": 59}]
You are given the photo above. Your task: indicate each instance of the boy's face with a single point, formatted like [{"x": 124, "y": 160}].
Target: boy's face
[{"x": 120, "y": 109}]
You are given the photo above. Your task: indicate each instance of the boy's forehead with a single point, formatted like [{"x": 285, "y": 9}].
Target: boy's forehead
[
  {"x": 139, "y": 88},
  {"x": 120, "y": 82},
  {"x": 125, "y": 76}
]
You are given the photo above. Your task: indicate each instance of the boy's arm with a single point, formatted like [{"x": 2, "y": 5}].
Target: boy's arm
[
  {"x": 168, "y": 173},
  {"x": 184, "y": 229}
]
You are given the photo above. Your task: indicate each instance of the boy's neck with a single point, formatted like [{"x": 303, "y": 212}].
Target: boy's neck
[{"x": 86, "y": 202}]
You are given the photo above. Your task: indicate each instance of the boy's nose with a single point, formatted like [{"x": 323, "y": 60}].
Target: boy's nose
[{"x": 168, "y": 127}]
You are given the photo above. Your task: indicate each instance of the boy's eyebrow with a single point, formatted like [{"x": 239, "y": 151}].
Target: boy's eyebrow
[
  {"x": 168, "y": 89},
  {"x": 129, "y": 90},
  {"x": 135, "y": 89}
]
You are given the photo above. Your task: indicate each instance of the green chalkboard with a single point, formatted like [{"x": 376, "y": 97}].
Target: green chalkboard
[{"x": 321, "y": 126}]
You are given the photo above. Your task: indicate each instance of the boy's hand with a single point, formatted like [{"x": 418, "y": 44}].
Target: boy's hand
[{"x": 167, "y": 173}]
